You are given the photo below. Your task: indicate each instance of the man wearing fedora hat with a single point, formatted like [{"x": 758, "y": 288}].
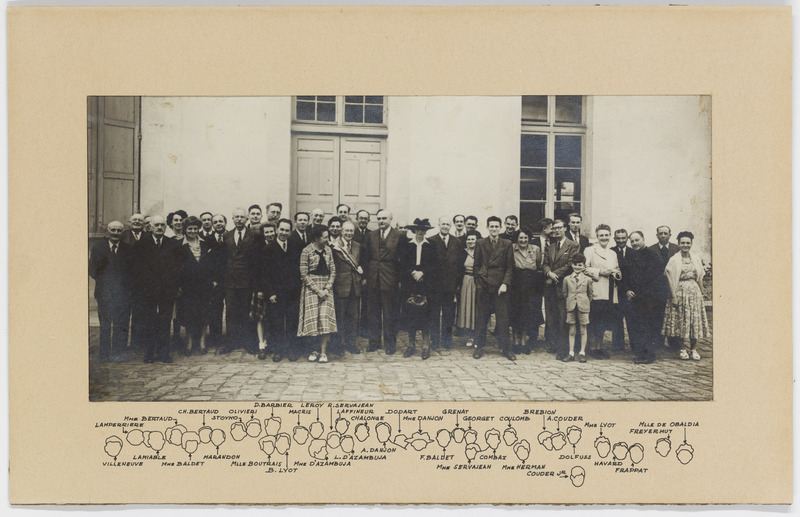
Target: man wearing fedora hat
[
  {"x": 494, "y": 265},
  {"x": 381, "y": 254}
]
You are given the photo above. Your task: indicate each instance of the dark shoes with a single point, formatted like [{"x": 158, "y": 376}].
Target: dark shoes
[
  {"x": 552, "y": 350},
  {"x": 262, "y": 354},
  {"x": 644, "y": 359},
  {"x": 599, "y": 353},
  {"x": 353, "y": 349},
  {"x": 166, "y": 359},
  {"x": 391, "y": 349},
  {"x": 569, "y": 358},
  {"x": 203, "y": 351},
  {"x": 426, "y": 353},
  {"x": 278, "y": 357},
  {"x": 409, "y": 351},
  {"x": 581, "y": 358},
  {"x": 225, "y": 350},
  {"x": 508, "y": 354},
  {"x": 517, "y": 349},
  {"x": 187, "y": 352},
  {"x": 478, "y": 353},
  {"x": 372, "y": 348},
  {"x": 561, "y": 356}
]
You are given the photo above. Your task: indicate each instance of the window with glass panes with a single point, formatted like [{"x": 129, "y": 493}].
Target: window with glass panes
[
  {"x": 366, "y": 110},
  {"x": 551, "y": 157}
]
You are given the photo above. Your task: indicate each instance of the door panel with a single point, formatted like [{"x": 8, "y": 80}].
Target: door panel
[
  {"x": 113, "y": 160},
  {"x": 329, "y": 170},
  {"x": 316, "y": 173}
]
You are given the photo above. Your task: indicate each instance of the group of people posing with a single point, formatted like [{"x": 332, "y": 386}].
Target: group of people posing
[{"x": 303, "y": 286}]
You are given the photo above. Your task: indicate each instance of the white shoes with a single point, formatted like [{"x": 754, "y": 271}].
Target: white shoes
[
  {"x": 314, "y": 356},
  {"x": 684, "y": 354},
  {"x": 695, "y": 355},
  {"x": 323, "y": 358},
  {"x": 470, "y": 343}
]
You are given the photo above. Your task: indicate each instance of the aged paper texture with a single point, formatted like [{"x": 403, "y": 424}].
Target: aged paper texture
[{"x": 729, "y": 442}]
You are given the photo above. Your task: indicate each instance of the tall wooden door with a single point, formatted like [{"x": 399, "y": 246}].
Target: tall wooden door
[
  {"x": 113, "y": 147},
  {"x": 330, "y": 170}
]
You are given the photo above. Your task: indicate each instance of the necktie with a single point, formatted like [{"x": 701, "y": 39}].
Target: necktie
[
  {"x": 158, "y": 243},
  {"x": 238, "y": 237},
  {"x": 558, "y": 246},
  {"x": 137, "y": 235},
  {"x": 664, "y": 253},
  {"x": 303, "y": 236},
  {"x": 283, "y": 245},
  {"x": 219, "y": 237},
  {"x": 114, "y": 249}
]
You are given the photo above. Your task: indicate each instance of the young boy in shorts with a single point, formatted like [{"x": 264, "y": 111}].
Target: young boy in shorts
[{"x": 577, "y": 290}]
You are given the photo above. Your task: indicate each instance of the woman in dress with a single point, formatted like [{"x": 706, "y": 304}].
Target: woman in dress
[
  {"x": 417, "y": 262},
  {"x": 685, "y": 314},
  {"x": 258, "y": 306},
  {"x": 527, "y": 283},
  {"x": 317, "y": 313},
  {"x": 198, "y": 280},
  {"x": 466, "y": 302}
]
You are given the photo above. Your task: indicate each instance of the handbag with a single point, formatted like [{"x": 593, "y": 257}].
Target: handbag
[{"x": 416, "y": 300}]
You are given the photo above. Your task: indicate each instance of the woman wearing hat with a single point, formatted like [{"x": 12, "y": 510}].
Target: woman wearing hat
[{"x": 418, "y": 260}]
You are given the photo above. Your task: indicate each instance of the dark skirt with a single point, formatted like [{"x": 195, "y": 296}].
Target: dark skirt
[{"x": 526, "y": 300}]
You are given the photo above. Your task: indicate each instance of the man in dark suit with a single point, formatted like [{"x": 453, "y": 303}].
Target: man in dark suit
[
  {"x": 665, "y": 250},
  {"x": 382, "y": 251},
  {"x": 512, "y": 231},
  {"x": 347, "y": 287},
  {"x": 445, "y": 283},
  {"x": 241, "y": 246},
  {"x": 360, "y": 236},
  {"x": 156, "y": 262},
  {"x": 574, "y": 233},
  {"x": 494, "y": 265},
  {"x": 544, "y": 238},
  {"x": 108, "y": 265},
  {"x": 207, "y": 230},
  {"x": 459, "y": 226},
  {"x": 622, "y": 250},
  {"x": 642, "y": 281},
  {"x": 362, "y": 230},
  {"x": 282, "y": 290},
  {"x": 299, "y": 234},
  {"x": 557, "y": 266},
  {"x": 216, "y": 240},
  {"x": 135, "y": 232}
]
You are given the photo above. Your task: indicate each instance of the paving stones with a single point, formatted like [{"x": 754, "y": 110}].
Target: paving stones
[{"x": 375, "y": 376}]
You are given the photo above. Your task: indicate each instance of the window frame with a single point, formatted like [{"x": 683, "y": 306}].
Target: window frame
[
  {"x": 550, "y": 129},
  {"x": 339, "y": 122}
]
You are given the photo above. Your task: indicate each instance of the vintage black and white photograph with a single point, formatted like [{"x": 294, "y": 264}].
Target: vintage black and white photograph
[{"x": 400, "y": 248}]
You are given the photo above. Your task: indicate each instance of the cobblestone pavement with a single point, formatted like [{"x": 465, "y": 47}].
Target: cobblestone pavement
[{"x": 447, "y": 375}]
